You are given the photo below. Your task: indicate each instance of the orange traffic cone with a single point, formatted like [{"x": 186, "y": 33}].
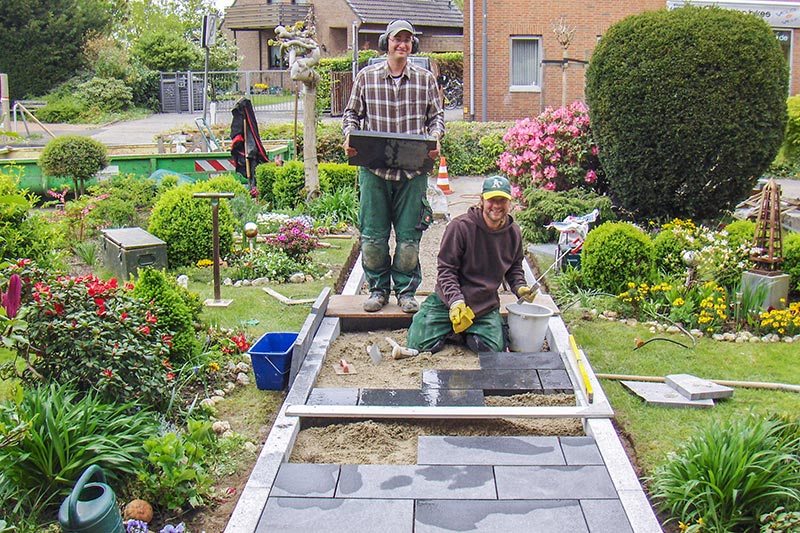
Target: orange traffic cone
[{"x": 442, "y": 180}]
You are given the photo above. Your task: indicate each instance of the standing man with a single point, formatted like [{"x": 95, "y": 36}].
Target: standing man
[
  {"x": 479, "y": 250},
  {"x": 398, "y": 97}
]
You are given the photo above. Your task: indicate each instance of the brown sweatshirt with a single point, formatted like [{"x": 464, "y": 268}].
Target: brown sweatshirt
[{"x": 474, "y": 260}]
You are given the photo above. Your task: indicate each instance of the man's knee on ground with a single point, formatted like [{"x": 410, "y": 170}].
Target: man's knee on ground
[
  {"x": 406, "y": 256},
  {"x": 374, "y": 253}
]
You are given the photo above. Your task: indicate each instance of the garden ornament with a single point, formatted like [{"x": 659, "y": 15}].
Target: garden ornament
[
  {"x": 91, "y": 507},
  {"x": 251, "y": 231},
  {"x": 401, "y": 352}
]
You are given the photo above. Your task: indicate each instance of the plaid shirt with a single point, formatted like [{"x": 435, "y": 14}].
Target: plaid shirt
[{"x": 377, "y": 103}]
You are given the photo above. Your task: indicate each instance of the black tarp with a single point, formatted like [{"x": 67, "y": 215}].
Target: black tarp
[{"x": 244, "y": 127}]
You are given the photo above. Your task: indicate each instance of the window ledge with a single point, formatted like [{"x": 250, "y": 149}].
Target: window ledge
[{"x": 524, "y": 89}]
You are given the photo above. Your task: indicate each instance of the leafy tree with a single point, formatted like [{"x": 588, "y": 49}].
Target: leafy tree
[
  {"x": 78, "y": 157},
  {"x": 41, "y": 40},
  {"x": 688, "y": 108},
  {"x": 165, "y": 52}
]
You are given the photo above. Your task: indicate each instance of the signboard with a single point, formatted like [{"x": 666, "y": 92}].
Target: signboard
[
  {"x": 209, "y": 36},
  {"x": 776, "y": 14}
]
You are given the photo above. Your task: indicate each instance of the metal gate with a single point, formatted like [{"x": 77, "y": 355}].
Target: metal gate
[{"x": 181, "y": 92}]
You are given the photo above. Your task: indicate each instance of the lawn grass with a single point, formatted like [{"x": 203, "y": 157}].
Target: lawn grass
[{"x": 656, "y": 431}]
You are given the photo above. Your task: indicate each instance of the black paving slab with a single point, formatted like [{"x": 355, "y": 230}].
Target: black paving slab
[
  {"x": 306, "y": 480},
  {"x": 520, "y": 360},
  {"x": 555, "y": 381},
  {"x": 412, "y": 481},
  {"x": 553, "y": 482},
  {"x": 490, "y": 381},
  {"x": 605, "y": 516},
  {"x": 333, "y": 396},
  {"x": 489, "y": 451},
  {"x": 580, "y": 451},
  {"x": 417, "y": 397},
  {"x": 542, "y": 516},
  {"x": 329, "y": 515}
]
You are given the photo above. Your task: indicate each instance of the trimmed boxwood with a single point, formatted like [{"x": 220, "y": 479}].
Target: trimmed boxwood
[
  {"x": 791, "y": 258},
  {"x": 688, "y": 107},
  {"x": 615, "y": 253}
]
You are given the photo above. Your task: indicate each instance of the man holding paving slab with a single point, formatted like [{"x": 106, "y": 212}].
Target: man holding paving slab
[
  {"x": 399, "y": 99},
  {"x": 479, "y": 250}
]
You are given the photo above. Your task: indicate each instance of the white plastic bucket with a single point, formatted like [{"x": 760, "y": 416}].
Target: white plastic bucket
[{"x": 527, "y": 326}]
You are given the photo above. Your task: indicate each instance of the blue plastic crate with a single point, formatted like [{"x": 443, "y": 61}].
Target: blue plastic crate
[{"x": 272, "y": 359}]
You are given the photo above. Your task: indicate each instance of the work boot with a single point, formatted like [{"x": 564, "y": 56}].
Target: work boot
[
  {"x": 476, "y": 344},
  {"x": 407, "y": 303},
  {"x": 437, "y": 347},
  {"x": 376, "y": 301}
]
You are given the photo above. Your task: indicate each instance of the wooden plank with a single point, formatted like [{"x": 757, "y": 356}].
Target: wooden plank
[
  {"x": 350, "y": 306},
  {"x": 597, "y": 410}
]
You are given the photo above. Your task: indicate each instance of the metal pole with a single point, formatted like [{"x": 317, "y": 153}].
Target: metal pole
[
  {"x": 484, "y": 65},
  {"x": 205, "y": 93},
  {"x": 355, "y": 48},
  {"x": 215, "y": 229},
  {"x": 5, "y": 110},
  {"x": 472, "y": 60}
]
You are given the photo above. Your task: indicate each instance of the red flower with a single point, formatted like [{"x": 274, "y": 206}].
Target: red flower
[
  {"x": 124, "y": 316},
  {"x": 150, "y": 317},
  {"x": 170, "y": 376},
  {"x": 108, "y": 373},
  {"x": 167, "y": 339},
  {"x": 58, "y": 307},
  {"x": 166, "y": 364},
  {"x": 128, "y": 286},
  {"x": 144, "y": 330}
]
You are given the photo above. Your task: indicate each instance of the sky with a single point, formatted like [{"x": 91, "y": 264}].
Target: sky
[{"x": 222, "y": 4}]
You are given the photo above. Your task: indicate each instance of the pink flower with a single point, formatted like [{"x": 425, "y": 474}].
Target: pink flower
[
  {"x": 550, "y": 172},
  {"x": 11, "y": 299},
  {"x": 549, "y": 186},
  {"x": 591, "y": 176}
]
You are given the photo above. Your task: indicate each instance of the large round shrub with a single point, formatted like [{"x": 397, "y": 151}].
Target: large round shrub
[
  {"x": 688, "y": 107},
  {"x": 614, "y": 254},
  {"x": 73, "y": 156},
  {"x": 184, "y": 223},
  {"x": 740, "y": 233},
  {"x": 791, "y": 258}
]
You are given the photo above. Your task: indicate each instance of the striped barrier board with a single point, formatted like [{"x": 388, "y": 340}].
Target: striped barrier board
[{"x": 213, "y": 165}]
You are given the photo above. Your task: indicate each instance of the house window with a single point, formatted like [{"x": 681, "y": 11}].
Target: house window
[{"x": 525, "y": 63}]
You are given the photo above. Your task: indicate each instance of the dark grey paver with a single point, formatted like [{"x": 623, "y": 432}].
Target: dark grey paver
[
  {"x": 329, "y": 515},
  {"x": 489, "y": 451},
  {"x": 663, "y": 395},
  {"x": 555, "y": 381},
  {"x": 605, "y": 516},
  {"x": 541, "y": 516},
  {"x": 333, "y": 396},
  {"x": 580, "y": 451},
  {"x": 490, "y": 381},
  {"x": 520, "y": 360},
  {"x": 306, "y": 480},
  {"x": 553, "y": 482},
  {"x": 695, "y": 388},
  {"x": 417, "y": 397},
  {"x": 412, "y": 481}
]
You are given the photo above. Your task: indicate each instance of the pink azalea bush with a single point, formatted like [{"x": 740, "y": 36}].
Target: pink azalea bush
[{"x": 554, "y": 151}]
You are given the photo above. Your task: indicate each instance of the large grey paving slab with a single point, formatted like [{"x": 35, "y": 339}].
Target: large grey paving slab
[
  {"x": 490, "y": 381},
  {"x": 333, "y": 396},
  {"x": 306, "y": 480},
  {"x": 329, "y": 515},
  {"x": 663, "y": 395},
  {"x": 437, "y": 450},
  {"x": 412, "y": 481},
  {"x": 417, "y": 397},
  {"x": 605, "y": 516},
  {"x": 540, "y": 516},
  {"x": 695, "y": 388},
  {"x": 555, "y": 381},
  {"x": 580, "y": 451},
  {"x": 553, "y": 482},
  {"x": 520, "y": 360}
]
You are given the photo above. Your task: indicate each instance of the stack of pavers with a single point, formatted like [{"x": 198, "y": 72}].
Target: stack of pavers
[
  {"x": 548, "y": 484},
  {"x": 680, "y": 390},
  {"x": 501, "y": 374}
]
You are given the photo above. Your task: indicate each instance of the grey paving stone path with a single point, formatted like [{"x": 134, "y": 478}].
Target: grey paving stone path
[{"x": 490, "y": 381}]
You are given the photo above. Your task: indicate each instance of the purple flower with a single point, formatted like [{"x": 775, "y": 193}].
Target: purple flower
[
  {"x": 169, "y": 528},
  {"x": 11, "y": 298},
  {"x": 136, "y": 526}
]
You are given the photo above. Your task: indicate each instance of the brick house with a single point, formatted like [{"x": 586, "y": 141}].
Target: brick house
[
  {"x": 524, "y": 73},
  {"x": 341, "y": 24}
]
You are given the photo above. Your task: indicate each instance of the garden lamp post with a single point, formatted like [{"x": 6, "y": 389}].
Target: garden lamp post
[
  {"x": 251, "y": 231},
  {"x": 214, "y": 197}
]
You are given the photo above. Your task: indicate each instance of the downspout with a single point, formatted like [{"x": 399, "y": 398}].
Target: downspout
[
  {"x": 472, "y": 60},
  {"x": 484, "y": 66},
  {"x": 355, "y": 27}
]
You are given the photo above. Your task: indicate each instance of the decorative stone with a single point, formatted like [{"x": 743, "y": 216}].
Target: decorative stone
[
  {"x": 740, "y": 339},
  {"x": 221, "y": 426},
  {"x": 653, "y": 329},
  {"x": 788, "y": 340},
  {"x": 297, "y": 277},
  {"x": 138, "y": 510},
  {"x": 249, "y": 447},
  {"x": 219, "y": 392},
  {"x": 229, "y": 386},
  {"x": 242, "y": 366},
  {"x": 754, "y": 340},
  {"x": 673, "y": 329},
  {"x": 695, "y": 388},
  {"x": 183, "y": 281},
  {"x": 632, "y": 322},
  {"x": 227, "y": 282},
  {"x": 216, "y": 399},
  {"x": 610, "y": 314},
  {"x": 718, "y": 337},
  {"x": 261, "y": 282},
  {"x": 242, "y": 378},
  {"x": 246, "y": 283},
  {"x": 238, "y": 283},
  {"x": 730, "y": 337},
  {"x": 696, "y": 333},
  {"x": 309, "y": 278},
  {"x": 206, "y": 402},
  {"x": 227, "y": 434}
]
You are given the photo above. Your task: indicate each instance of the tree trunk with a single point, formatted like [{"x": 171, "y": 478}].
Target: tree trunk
[{"x": 310, "y": 139}]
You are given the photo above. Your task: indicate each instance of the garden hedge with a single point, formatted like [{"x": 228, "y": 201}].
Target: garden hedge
[
  {"x": 688, "y": 107},
  {"x": 544, "y": 207}
]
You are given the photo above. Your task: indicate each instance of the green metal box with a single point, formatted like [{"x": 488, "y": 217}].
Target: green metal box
[{"x": 125, "y": 250}]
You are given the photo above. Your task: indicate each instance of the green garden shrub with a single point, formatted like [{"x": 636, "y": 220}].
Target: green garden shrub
[
  {"x": 614, "y": 254},
  {"x": 243, "y": 208},
  {"x": 450, "y": 64},
  {"x": 730, "y": 473},
  {"x": 175, "y": 308},
  {"x": 64, "y": 433},
  {"x": 339, "y": 175},
  {"x": 266, "y": 174},
  {"x": 791, "y": 258},
  {"x": 184, "y": 223},
  {"x": 165, "y": 51},
  {"x": 329, "y": 143},
  {"x": 544, "y": 207},
  {"x": 740, "y": 232},
  {"x": 337, "y": 206},
  {"x": 73, "y": 156},
  {"x": 790, "y": 149},
  {"x": 106, "y": 94},
  {"x": 684, "y": 125},
  {"x": 473, "y": 148},
  {"x": 61, "y": 109},
  {"x": 284, "y": 186},
  {"x": 335, "y": 64},
  {"x": 668, "y": 248}
]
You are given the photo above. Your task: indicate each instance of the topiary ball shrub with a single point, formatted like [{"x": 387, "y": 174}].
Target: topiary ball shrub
[
  {"x": 688, "y": 107},
  {"x": 614, "y": 254},
  {"x": 791, "y": 258},
  {"x": 75, "y": 157},
  {"x": 175, "y": 309},
  {"x": 184, "y": 223}
]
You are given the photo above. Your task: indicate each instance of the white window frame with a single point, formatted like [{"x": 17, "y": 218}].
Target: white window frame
[
  {"x": 791, "y": 51},
  {"x": 535, "y": 87}
]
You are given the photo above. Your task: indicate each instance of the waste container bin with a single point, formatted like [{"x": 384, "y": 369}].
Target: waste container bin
[{"x": 272, "y": 359}]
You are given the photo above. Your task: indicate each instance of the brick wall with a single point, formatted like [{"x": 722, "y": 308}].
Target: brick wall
[
  {"x": 334, "y": 14},
  {"x": 589, "y": 19}
]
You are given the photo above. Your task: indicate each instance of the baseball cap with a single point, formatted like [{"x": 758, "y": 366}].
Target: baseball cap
[
  {"x": 495, "y": 186},
  {"x": 396, "y": 26}
]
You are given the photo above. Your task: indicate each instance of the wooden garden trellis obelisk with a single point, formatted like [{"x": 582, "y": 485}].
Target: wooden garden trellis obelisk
[{"x": 767, "y": 251}]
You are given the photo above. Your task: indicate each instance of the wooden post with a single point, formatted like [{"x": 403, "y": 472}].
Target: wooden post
[
  {"x": 5, "y": 109},
  {"x": 214, "y": 197}
]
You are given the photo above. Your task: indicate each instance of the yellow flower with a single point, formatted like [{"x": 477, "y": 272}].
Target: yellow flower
[
  {"x": 678, "y": 302},
  {"x": 213, "y": 366},
  {"x": 682, "y": 526}
]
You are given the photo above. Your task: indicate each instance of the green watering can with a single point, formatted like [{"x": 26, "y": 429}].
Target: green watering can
[{"x": 91, "y": 507}]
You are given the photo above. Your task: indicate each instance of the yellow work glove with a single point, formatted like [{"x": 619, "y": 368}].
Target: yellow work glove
[
  {"x": 461, "y": 316},
  {"x": 527, "y": 294}
]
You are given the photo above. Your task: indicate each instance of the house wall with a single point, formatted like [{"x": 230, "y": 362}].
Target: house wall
[
  {"x": 590, "y": 20},
  {"x": 334, "y": 24}
]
